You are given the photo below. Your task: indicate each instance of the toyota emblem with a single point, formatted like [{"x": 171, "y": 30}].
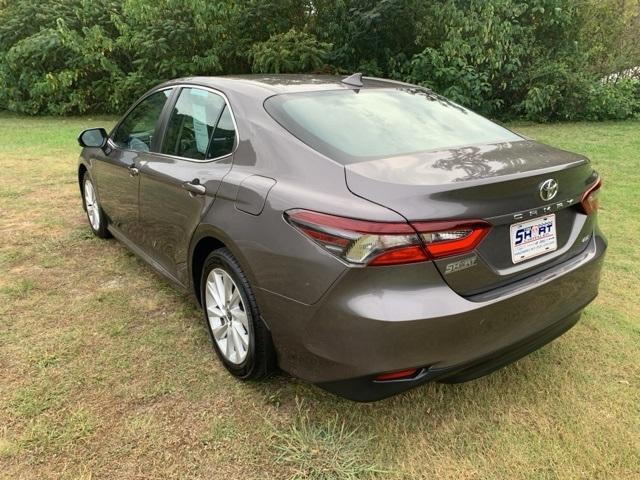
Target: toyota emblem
[{"x": 548, "y": 189}]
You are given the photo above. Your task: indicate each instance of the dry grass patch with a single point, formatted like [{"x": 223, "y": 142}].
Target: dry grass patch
[{"x": 324, "y": 449}]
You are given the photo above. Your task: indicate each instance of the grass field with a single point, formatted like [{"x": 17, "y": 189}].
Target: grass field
[{"x": 106, "y": 372}]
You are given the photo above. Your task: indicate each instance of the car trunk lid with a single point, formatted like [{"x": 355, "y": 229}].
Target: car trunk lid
[{"x": 499, "y": 183}]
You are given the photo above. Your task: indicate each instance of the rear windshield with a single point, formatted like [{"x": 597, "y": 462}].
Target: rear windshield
[{"x": 354, "y": 125}]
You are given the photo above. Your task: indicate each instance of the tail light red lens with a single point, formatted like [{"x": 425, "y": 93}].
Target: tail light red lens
[
  {"x": 443, "y": 239},
  {"x": 590, "y": 201},
  {"x": 358, "y": 241},
  {"x": 363, "y": 242}
]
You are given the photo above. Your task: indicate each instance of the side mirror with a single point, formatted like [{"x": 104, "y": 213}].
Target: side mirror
[{"x": 93, "y": 138}]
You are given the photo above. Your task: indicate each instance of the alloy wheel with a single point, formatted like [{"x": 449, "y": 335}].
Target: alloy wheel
[
  {"x": 91, "y": 202},
  {"x": 227, "y": 316}
]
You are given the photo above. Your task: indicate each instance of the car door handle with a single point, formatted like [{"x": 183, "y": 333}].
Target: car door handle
[
  {"x": 133, "y": 171},
  {"x": 194, "y": 188}
]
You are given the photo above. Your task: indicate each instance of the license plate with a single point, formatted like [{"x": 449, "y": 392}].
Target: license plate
[{"x": 533, "y": 238}]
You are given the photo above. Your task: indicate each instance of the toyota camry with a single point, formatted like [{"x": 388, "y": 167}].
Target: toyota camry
[{"x": 363, "y": 234}]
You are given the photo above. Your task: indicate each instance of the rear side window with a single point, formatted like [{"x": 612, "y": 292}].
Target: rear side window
[
  {"x": 224, "y": 136},
  {"x": 192, "y": 124},
  {"x": 354, "y": 125},
  {"x": 136, "y": 131}
]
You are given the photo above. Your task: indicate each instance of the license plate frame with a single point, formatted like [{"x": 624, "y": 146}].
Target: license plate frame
[{"x": 527, "y": 241}]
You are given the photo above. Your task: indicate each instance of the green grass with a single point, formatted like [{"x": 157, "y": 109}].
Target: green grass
[{"x": 106, "y": 372}]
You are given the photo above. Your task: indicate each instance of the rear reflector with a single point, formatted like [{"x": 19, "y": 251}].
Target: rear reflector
[
  {"x": 399, "y": 375},
  {"x": 590, "y": 201},
  {"x": 364, "y": 242}
]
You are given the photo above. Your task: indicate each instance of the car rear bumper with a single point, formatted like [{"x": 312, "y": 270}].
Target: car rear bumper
[{"x": 381, "y": 319}]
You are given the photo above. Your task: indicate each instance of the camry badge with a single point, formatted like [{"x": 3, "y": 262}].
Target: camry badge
[{"x": 548, "y": 189}]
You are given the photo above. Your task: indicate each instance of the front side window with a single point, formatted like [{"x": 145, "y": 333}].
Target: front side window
[
  {"x": 355, "y": 125},
  {"x": 193, "y": 123},
  {"x": 136, "y": 131}
]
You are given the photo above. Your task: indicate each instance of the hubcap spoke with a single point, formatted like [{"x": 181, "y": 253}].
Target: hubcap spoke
[
  {"x": 226, "y": 281},
  {"x": 234, "y": 300},
  {"x": 241, "y": 334},
  {"x": 220, "y": 332},
  {"x": 212, "y": 289},
  {"x": 237, "y": 345},
  {"x": 241, "y": 317},
  {"x": 220, "y": 290},
  {"x": 229, "y": 343},
  {"x": 215, "y": 311},
  {"x": 227, "y": 316}
]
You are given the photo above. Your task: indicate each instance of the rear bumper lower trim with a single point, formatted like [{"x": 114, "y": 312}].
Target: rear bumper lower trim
[{"x": 366, "y": 389}]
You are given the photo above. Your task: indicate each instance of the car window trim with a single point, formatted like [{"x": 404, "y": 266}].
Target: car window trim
[
  {"x": 236, "y": 141},
  {"x": 156, "y": 129}
]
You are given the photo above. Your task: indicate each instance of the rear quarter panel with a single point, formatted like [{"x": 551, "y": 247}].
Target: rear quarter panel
[{"x": 277, "y": 257}]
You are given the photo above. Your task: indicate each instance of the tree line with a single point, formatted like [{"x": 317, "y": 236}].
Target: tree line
[{"x": 537, "y": 59}]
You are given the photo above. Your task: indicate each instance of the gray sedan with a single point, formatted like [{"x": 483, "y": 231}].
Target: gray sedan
[{"x": 363, "y": 234}]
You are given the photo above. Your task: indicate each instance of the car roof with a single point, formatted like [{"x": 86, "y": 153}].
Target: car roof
[{"x": 263, "y": 86}]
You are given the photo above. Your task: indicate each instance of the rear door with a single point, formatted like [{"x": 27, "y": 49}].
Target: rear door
[
  {"x": 116, "y": 172},
  {"x": 179, "y": 183}
]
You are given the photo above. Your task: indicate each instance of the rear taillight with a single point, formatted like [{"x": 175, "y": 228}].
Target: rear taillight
[
  {"x": 364, "y": 242},
  {"x": 359, "y": 241},
  {"x": 443, "y": 239},
  {"x": 589, "y": 202}
]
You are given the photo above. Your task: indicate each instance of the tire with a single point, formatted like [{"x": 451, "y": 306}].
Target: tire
[
  {"x": 244, "y": 345},
  {"x": 95, "y": 215}
]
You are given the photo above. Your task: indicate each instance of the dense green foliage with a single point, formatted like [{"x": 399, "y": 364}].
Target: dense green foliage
[
  {"x": 538, "y": 59},
  {"x": 288, "y": 53}
]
